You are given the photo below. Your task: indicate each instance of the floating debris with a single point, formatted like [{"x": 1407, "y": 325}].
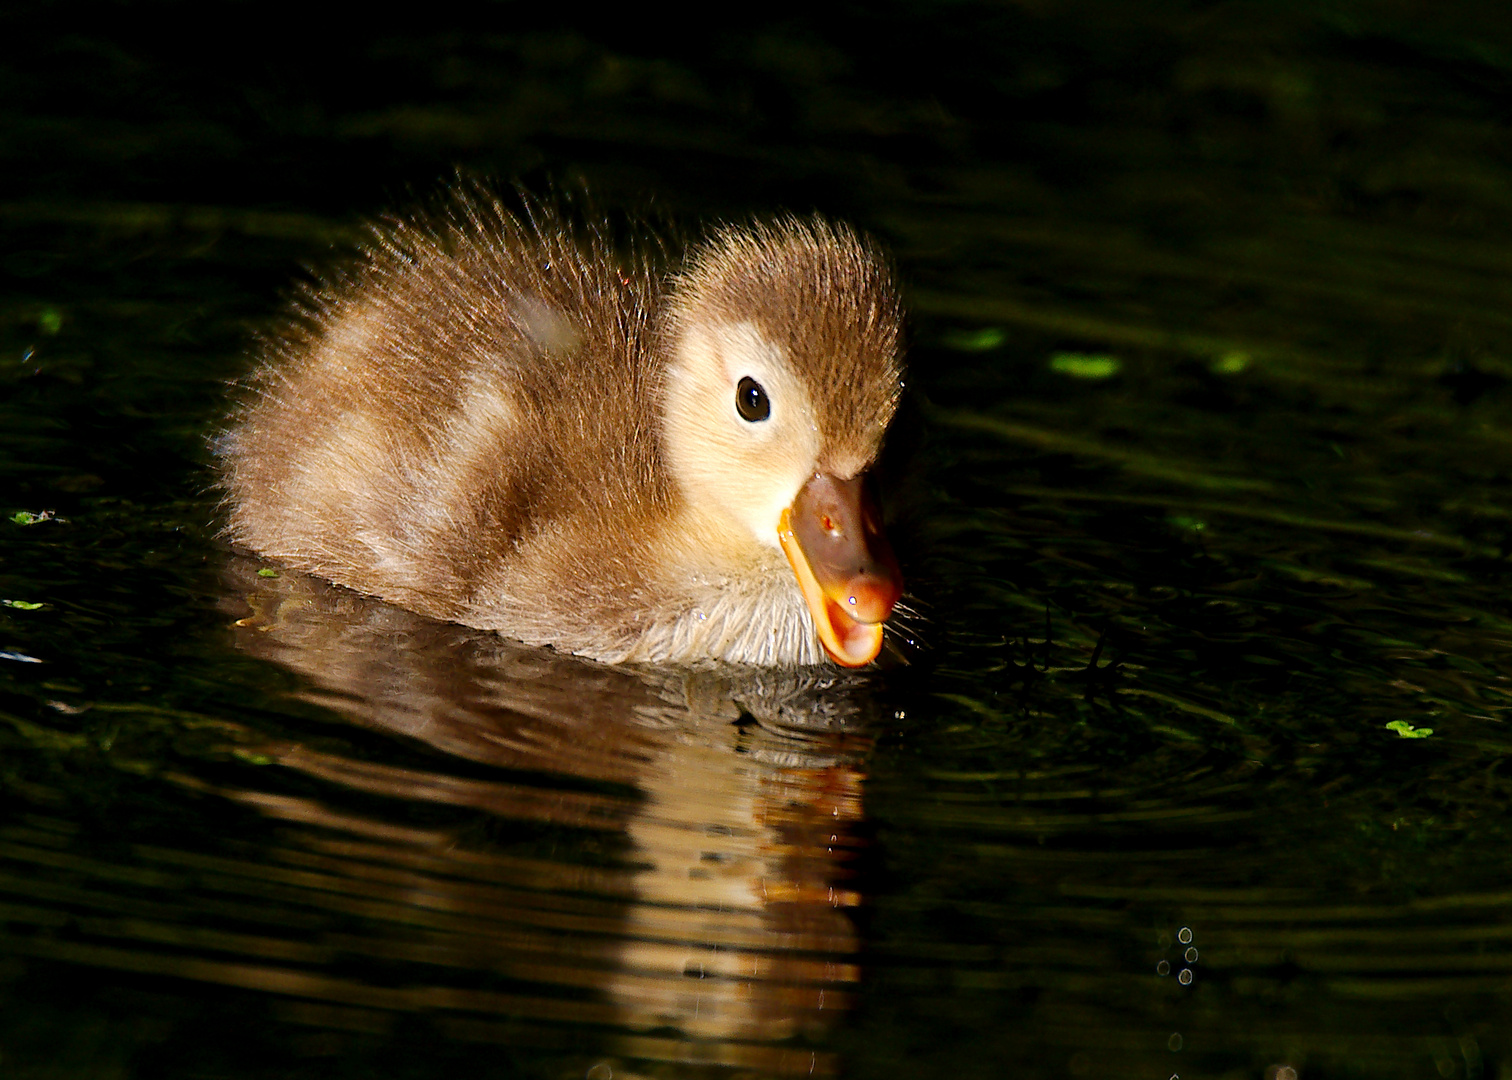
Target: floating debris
[
  {"x": 1085, "y": 365},
  {"x": 1407, "y": 731},
  {"x": 983, "y": 340},
  {"x": 1230, "y": 363}
]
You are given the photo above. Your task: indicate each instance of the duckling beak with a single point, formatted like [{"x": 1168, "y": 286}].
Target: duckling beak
[{"x": 832, "y": 536}]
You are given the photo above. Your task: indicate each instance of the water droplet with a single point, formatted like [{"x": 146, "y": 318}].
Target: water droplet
[
  {"x": 1191, "y": 955},
  {"x": 1184, "y": 976},
  {"x": 1184, "y": 935},
  {"x": 1163, "y": 968},
  {"x": 1174, "y": 1042}
]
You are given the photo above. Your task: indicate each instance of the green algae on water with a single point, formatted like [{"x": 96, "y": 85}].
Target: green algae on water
[
  {"x": 26, "y": 517},
  {"x": 984, "y": 339},
  {"x": 1085, "y": 365}
]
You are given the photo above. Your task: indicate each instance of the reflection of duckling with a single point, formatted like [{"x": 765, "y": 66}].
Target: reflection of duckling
[
  {"x": 712, "y": 901},
  {"x": 515, "y": 427}
]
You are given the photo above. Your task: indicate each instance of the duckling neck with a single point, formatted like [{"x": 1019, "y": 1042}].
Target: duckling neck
[{"x": 735, "y": 599}]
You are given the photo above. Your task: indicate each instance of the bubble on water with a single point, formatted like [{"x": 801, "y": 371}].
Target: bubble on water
[
  {"x": 1185, "y": 977},
  {"x": 1184, "y": 935},
  {"x": 1191, "y": 955},
  {"x": 1174, "y": 1042},
  {"x": 601, "y": 1071},
  {"x": 1163, "y": 968}
]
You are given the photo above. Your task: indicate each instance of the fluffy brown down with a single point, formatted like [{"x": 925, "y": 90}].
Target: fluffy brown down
[{"x": 467, "y": 422}]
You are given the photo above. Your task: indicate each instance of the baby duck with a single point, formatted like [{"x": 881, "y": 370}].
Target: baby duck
[{"x": 513, "y": 425}]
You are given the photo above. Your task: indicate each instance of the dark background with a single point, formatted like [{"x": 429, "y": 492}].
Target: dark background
[{"x": 1282, "y": 524}]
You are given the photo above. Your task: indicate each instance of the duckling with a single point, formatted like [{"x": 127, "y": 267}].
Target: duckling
[{"x": 509, "y": 423}]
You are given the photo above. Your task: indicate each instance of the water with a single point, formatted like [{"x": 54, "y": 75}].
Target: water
[{"x": 1201, "y": 496}]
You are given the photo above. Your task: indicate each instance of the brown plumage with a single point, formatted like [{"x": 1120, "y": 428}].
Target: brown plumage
[{"x": 516, "y": 426}]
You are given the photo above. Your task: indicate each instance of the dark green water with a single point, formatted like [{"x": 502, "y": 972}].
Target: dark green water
[{"x": 1203, "y": 497}]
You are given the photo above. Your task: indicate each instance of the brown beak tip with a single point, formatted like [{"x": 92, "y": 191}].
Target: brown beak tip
[
  {"x": 870, "y": 598},
  {"x": 845, "y": 567}
]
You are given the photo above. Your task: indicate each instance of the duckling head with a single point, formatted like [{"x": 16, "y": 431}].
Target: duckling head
[{"x": 784, "y": 371}]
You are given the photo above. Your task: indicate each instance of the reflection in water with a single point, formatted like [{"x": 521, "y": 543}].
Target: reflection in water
[{"x": 710, "y": 928}]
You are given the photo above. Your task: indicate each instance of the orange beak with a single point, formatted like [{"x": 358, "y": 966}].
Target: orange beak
[{"x": 832, "y": 536}]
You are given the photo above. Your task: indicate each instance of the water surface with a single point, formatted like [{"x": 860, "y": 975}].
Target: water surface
[{"x": 1193, "y": 763}]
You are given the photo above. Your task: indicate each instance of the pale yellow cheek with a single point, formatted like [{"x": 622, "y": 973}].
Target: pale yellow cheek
[{"x": 748, "y": 472}]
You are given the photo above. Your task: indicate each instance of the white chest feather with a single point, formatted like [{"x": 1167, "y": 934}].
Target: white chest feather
[{"x": 763, "y": 622}]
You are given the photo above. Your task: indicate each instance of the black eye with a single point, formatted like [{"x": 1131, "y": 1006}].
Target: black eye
[{"x": 751, "y": 401}]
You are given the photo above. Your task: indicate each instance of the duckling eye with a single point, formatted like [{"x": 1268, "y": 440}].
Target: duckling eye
[{"x": 751, "y": 401}]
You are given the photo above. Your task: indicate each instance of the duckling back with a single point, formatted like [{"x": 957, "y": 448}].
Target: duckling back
[{"x": 418, "y": 414}]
